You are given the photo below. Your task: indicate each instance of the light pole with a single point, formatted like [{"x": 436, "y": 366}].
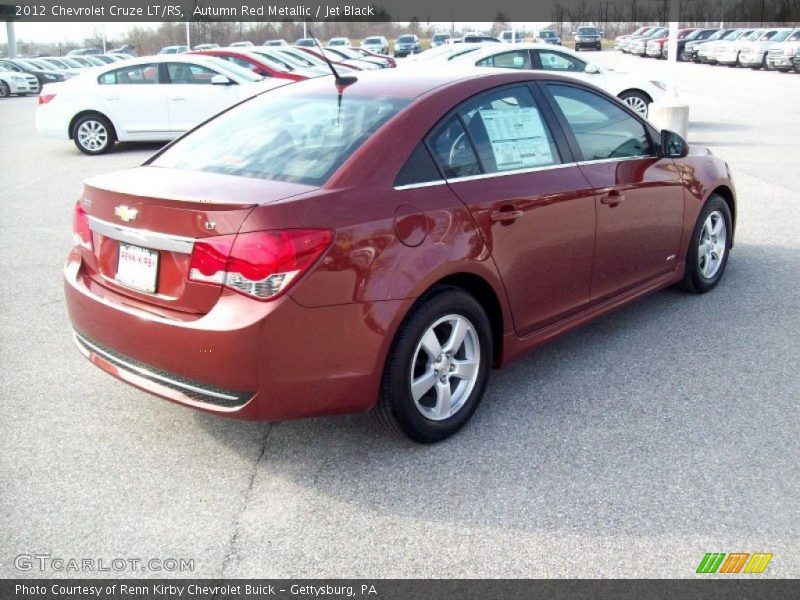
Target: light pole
[{"x": 670, "y": 113}]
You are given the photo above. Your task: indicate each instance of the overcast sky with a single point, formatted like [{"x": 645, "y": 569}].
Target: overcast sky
[
  {"x": 77, "y": 32},
  {"x": 65, "y": 32}
]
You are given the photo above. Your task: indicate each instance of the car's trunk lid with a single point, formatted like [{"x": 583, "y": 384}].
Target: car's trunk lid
[{"x": 163, "y": 211}]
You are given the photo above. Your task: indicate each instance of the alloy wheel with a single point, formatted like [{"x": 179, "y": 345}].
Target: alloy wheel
[
  {"x": 711, "y": 249},
  {"x": 92, "y": 135},
  {"x": 637, "y": 104},
  {"x": 444, "y": 367},
  {"x": 5, "y": 91}
]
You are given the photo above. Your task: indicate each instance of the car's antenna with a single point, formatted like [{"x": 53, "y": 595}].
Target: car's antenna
[{"x": 340, "y": 80}]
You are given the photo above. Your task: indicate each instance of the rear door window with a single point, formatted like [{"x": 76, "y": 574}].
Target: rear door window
[
  {"x": 452, "y": 149},
  {"x": 508, "y": 131},
  {"x": 515, "y": 59},
  {"x": 131, "y": 75},
  {"x": 185, "y": 73}
]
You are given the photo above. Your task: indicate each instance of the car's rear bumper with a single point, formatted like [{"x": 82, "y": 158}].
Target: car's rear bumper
[
  {"x": 51, "y": 122},
  {"x": 244, "y": 358}
]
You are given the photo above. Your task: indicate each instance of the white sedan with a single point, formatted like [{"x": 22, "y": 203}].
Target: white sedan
[
  {"x": 154, "y": 98},
  {"x": 636, "y": 92}
]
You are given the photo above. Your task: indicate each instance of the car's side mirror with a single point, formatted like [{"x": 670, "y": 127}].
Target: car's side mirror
[
  {"x": 673, "y": 145},
  {"x": 592, "y": 69},
  {"x": 220, "y": 80}
]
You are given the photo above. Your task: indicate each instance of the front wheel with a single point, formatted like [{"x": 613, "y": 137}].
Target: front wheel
[
  {"x": 638, "y": 101},
  {"x": 5, "y": 91},
  {"x": 709, "y": 247},
  {"x": 437, "y": 368}
]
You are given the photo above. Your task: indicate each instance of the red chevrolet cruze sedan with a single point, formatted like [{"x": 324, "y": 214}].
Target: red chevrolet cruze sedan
[{"x": 381, "y": 244}]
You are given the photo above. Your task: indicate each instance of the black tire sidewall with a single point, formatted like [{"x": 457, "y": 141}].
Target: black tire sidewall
[
  {"x": 396, "y": 385},
  {"x": 693, "y": 276},
  {"x": 110, "y": 140},
  {"x": 6, "y": 89}
]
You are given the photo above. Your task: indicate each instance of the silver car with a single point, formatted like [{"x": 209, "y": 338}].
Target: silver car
[
  {"x": 754, "y": 54},
  {"x": 727, "y": 51},
  {"x": 779, "y": 57}
]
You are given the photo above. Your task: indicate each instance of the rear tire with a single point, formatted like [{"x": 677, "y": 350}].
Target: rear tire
[
  {"x": 438, "y": 367},
  {"x": 709, "y": 247},
  {"x": 93, "y": 134}
]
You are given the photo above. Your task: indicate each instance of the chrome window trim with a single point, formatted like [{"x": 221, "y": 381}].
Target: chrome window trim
[
  {"x": 514, "y": 172},
  {"x": 148, "y": 373},
  {"x": 412, "y": 186},
  {"x": 489, "y": 175},
  {"x": 619, "y": 159},
  {"x": 142, "y": 237}
]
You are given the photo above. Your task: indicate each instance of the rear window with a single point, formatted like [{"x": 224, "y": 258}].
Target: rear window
[
  {"x": 373, "y": 40},
  {"x": 547, "y": 33},
  {"x": 283, "y": 135}
]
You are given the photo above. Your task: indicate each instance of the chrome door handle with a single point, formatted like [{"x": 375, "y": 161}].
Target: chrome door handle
[
  {"x": 112, "y": 98},
  {"x": 506, "y": 215},
  {"x": 178, "y": 98},
  {"x": 612, "y": 199}
]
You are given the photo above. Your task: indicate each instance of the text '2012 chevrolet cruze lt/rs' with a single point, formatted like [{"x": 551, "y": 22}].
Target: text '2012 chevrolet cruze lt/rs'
[{"x": 332, "y": 247}]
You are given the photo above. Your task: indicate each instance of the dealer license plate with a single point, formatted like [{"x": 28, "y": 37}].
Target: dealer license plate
[{"x": 137, "y": 268}]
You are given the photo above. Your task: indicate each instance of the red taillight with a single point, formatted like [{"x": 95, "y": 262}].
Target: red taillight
[
  {"x": 81, "y": 233},
  {"x": 262, "y": 264},
  {"x": 45, "y": 98}
]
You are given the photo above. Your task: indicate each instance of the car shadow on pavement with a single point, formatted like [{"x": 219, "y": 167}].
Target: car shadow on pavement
[{"x": 653, "y": 419}]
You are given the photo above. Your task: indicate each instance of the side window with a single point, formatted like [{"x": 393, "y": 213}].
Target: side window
[
  {"x": 132, "y": 75},
  {"x": 419, "y": 168},
  {"x": 516, "y": 59},
  {"x": 452, "y": 149},
  {"x": 7, "y": 66},
  {"x": 185, "y": 73},
  {"x": 238, "y": 61},
  {"x": 508, "y": 131},
  {"x": 601, "y": 128},
  {"x": 551, "y": 60},
  {"x": 109, "y": 78}
]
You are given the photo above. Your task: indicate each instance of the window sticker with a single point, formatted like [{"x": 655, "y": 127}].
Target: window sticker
[{"x": 517, "y": 137}]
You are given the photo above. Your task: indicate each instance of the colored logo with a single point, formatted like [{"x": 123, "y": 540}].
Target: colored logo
[
  {"x": 736, "y": 562},
  {"x": 126, "y": 213}
]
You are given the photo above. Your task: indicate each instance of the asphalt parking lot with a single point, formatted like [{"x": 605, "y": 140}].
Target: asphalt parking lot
[{"x": 628, "y": 448}]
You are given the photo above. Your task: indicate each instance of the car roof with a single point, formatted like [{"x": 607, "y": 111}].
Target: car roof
[
  {"x": 414, "y": 83},
  {"x": 187, "y": 57},
  {"x": 491, "y": 49}
]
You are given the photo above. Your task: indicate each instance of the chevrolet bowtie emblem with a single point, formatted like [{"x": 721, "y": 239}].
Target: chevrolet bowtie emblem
[{"x": 126, "y": 213}]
